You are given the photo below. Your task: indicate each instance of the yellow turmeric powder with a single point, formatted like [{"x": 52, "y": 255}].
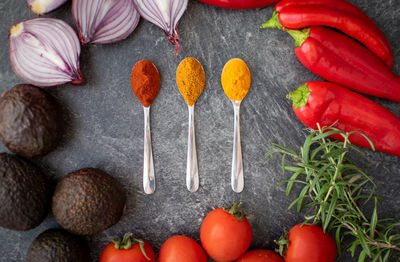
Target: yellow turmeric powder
[
  {"x": 236, "y": 79},
  {"x": 190, "y": 78}
]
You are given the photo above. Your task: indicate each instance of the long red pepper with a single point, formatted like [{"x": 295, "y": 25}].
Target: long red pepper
[
  {"x": 327, "y": 104},
  {"x": 340, "y": 59},
  {"x": 338, "y": 14},
  {"x": 342, "y": 5},
  {"x": 240, "y": 4}
]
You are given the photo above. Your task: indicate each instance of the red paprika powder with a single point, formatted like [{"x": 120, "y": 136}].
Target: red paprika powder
[{"x": 145, "y": 81}]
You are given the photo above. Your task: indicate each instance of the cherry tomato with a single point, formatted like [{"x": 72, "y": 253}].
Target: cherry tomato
[
  {"x": 260, "y": 255},
  {"x": 225, "y": 234},
  {"x": 310, "y": 243},
  {"x": 181, "y": 249},
  {"x": 117, "y": 253}
]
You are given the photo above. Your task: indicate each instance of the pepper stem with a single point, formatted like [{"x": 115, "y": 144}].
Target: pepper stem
[
  {"x": 273, "y": 22},
  {"x": 299, "y": 35},
  {"x": 235, "y": 211},
  {"x": 300, "y": 96},
  {"x": 128, "y": 241}
]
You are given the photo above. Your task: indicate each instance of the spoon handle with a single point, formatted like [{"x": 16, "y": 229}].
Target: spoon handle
[
  {"x": 192, "y": 170},
  {"x": 237, "y": 179},
  {"x": 149, "y": 183}
]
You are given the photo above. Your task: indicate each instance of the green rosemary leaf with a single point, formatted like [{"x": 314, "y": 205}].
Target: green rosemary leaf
[
  {"x": 293, "y": 203},
  {"x": 331, "y": 209},
  {"x": 366, "y": 137},
  {"x": 283, "y": 164},
  {"x": 270, "y": 153},
  {"x": 338, "y": 239},
  {"x": 291, "y": 182},
  {"x": 363, "y": 242},
  {"x": 325, "y": 135},
  {"x": 362, "y": 256},
  {"x": 378, "y": 256},
  {"x": 323, "y": 191},
  {"x": 353, "y": 247},
  {"x": 306, "y": 149},
  {"x": 335, "y": 153},
  {"x": 374, "y": 220},
  {"x": 302, "y": 196},
  {"x": 285, "y": 149},
  {"x": 387, "y": 255}
]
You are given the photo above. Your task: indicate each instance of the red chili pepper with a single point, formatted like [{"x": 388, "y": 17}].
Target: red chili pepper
[
  {"x": 342, "y": 60},
  {"x": 338, "y": 14},
  {"x": 329, "y": 104},
  {"x": 240, "y": 4},
  {"x": 342, "y": 5}
]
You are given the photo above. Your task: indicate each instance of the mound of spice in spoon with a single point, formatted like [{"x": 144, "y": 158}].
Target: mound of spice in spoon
[
  {"x": 145, "y": 81},
  {"x": 236, "y": 79},
  {"x": 190, "y": 78}
]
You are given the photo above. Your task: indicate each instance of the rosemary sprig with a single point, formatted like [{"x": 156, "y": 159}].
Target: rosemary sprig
[{"x": 334, "y": 194}]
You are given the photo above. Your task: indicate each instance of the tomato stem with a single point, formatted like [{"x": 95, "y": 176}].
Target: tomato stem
[
  {"x": 283, "y": 243},
  {"x": 235, "y": 211},
  {"x": 128, "y": 241}
]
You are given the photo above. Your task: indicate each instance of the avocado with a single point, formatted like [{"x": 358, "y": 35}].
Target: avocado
[
  {"x": 25, "y": 194},
  {"x": 88, "y": 201},
  {"x": 57, "y": 245},
  {"x": 30, "y": 121}
]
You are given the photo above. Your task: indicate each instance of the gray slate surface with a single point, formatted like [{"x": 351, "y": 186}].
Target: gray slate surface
[{"x": 105, "y": 129}]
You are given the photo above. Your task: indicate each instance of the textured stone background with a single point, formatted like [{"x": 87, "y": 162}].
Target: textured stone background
[{"x": 105, "y": 129}]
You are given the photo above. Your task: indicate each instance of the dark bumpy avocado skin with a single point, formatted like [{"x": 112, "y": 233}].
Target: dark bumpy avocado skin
[
  {"x": 30, "y": 121},
  {"x": 25, "y": 194},
  {"x": 88, "y": 201},
  {"x": 57, "y": 245}
]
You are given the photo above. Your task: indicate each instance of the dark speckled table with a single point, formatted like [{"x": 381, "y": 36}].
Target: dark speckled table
[{"x": 105, "y": 124}]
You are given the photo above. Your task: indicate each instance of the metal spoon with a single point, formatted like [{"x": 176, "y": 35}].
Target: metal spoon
[
  {"x": 192, "y": 170},
  {"x": 143, "y": 92},
  {"x": 237, "y": 177}
]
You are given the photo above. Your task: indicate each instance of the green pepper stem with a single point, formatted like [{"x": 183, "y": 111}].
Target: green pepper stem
[
  {"x": 273, "y": 22},
  {"x": 299, "y": 36},
  {"x": 300, "y": 96}
]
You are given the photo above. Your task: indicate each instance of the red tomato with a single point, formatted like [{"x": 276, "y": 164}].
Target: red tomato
[
  {"x": 311, "y": 244},
  {"x": 134, "y": 253},
  {"x": 260, "y": 255},
  {"x": 181, "y": 249},
  {"x": 224, "y": 237}
]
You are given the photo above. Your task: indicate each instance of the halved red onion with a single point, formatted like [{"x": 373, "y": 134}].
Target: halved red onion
[
  {"x": 104, "y": 21},
  {"x": 45, "y": 52},
  {"x": 41, "y": 7},
  {"x": 164, "y": 14}
]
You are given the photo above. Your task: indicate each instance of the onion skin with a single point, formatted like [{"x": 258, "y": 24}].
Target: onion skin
[
  {"x": 104, "y": 21},
  {"x": 165, "y": 14},
  {"x": 41, "y": 7},
  {"x": 45, "y": 52}
]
